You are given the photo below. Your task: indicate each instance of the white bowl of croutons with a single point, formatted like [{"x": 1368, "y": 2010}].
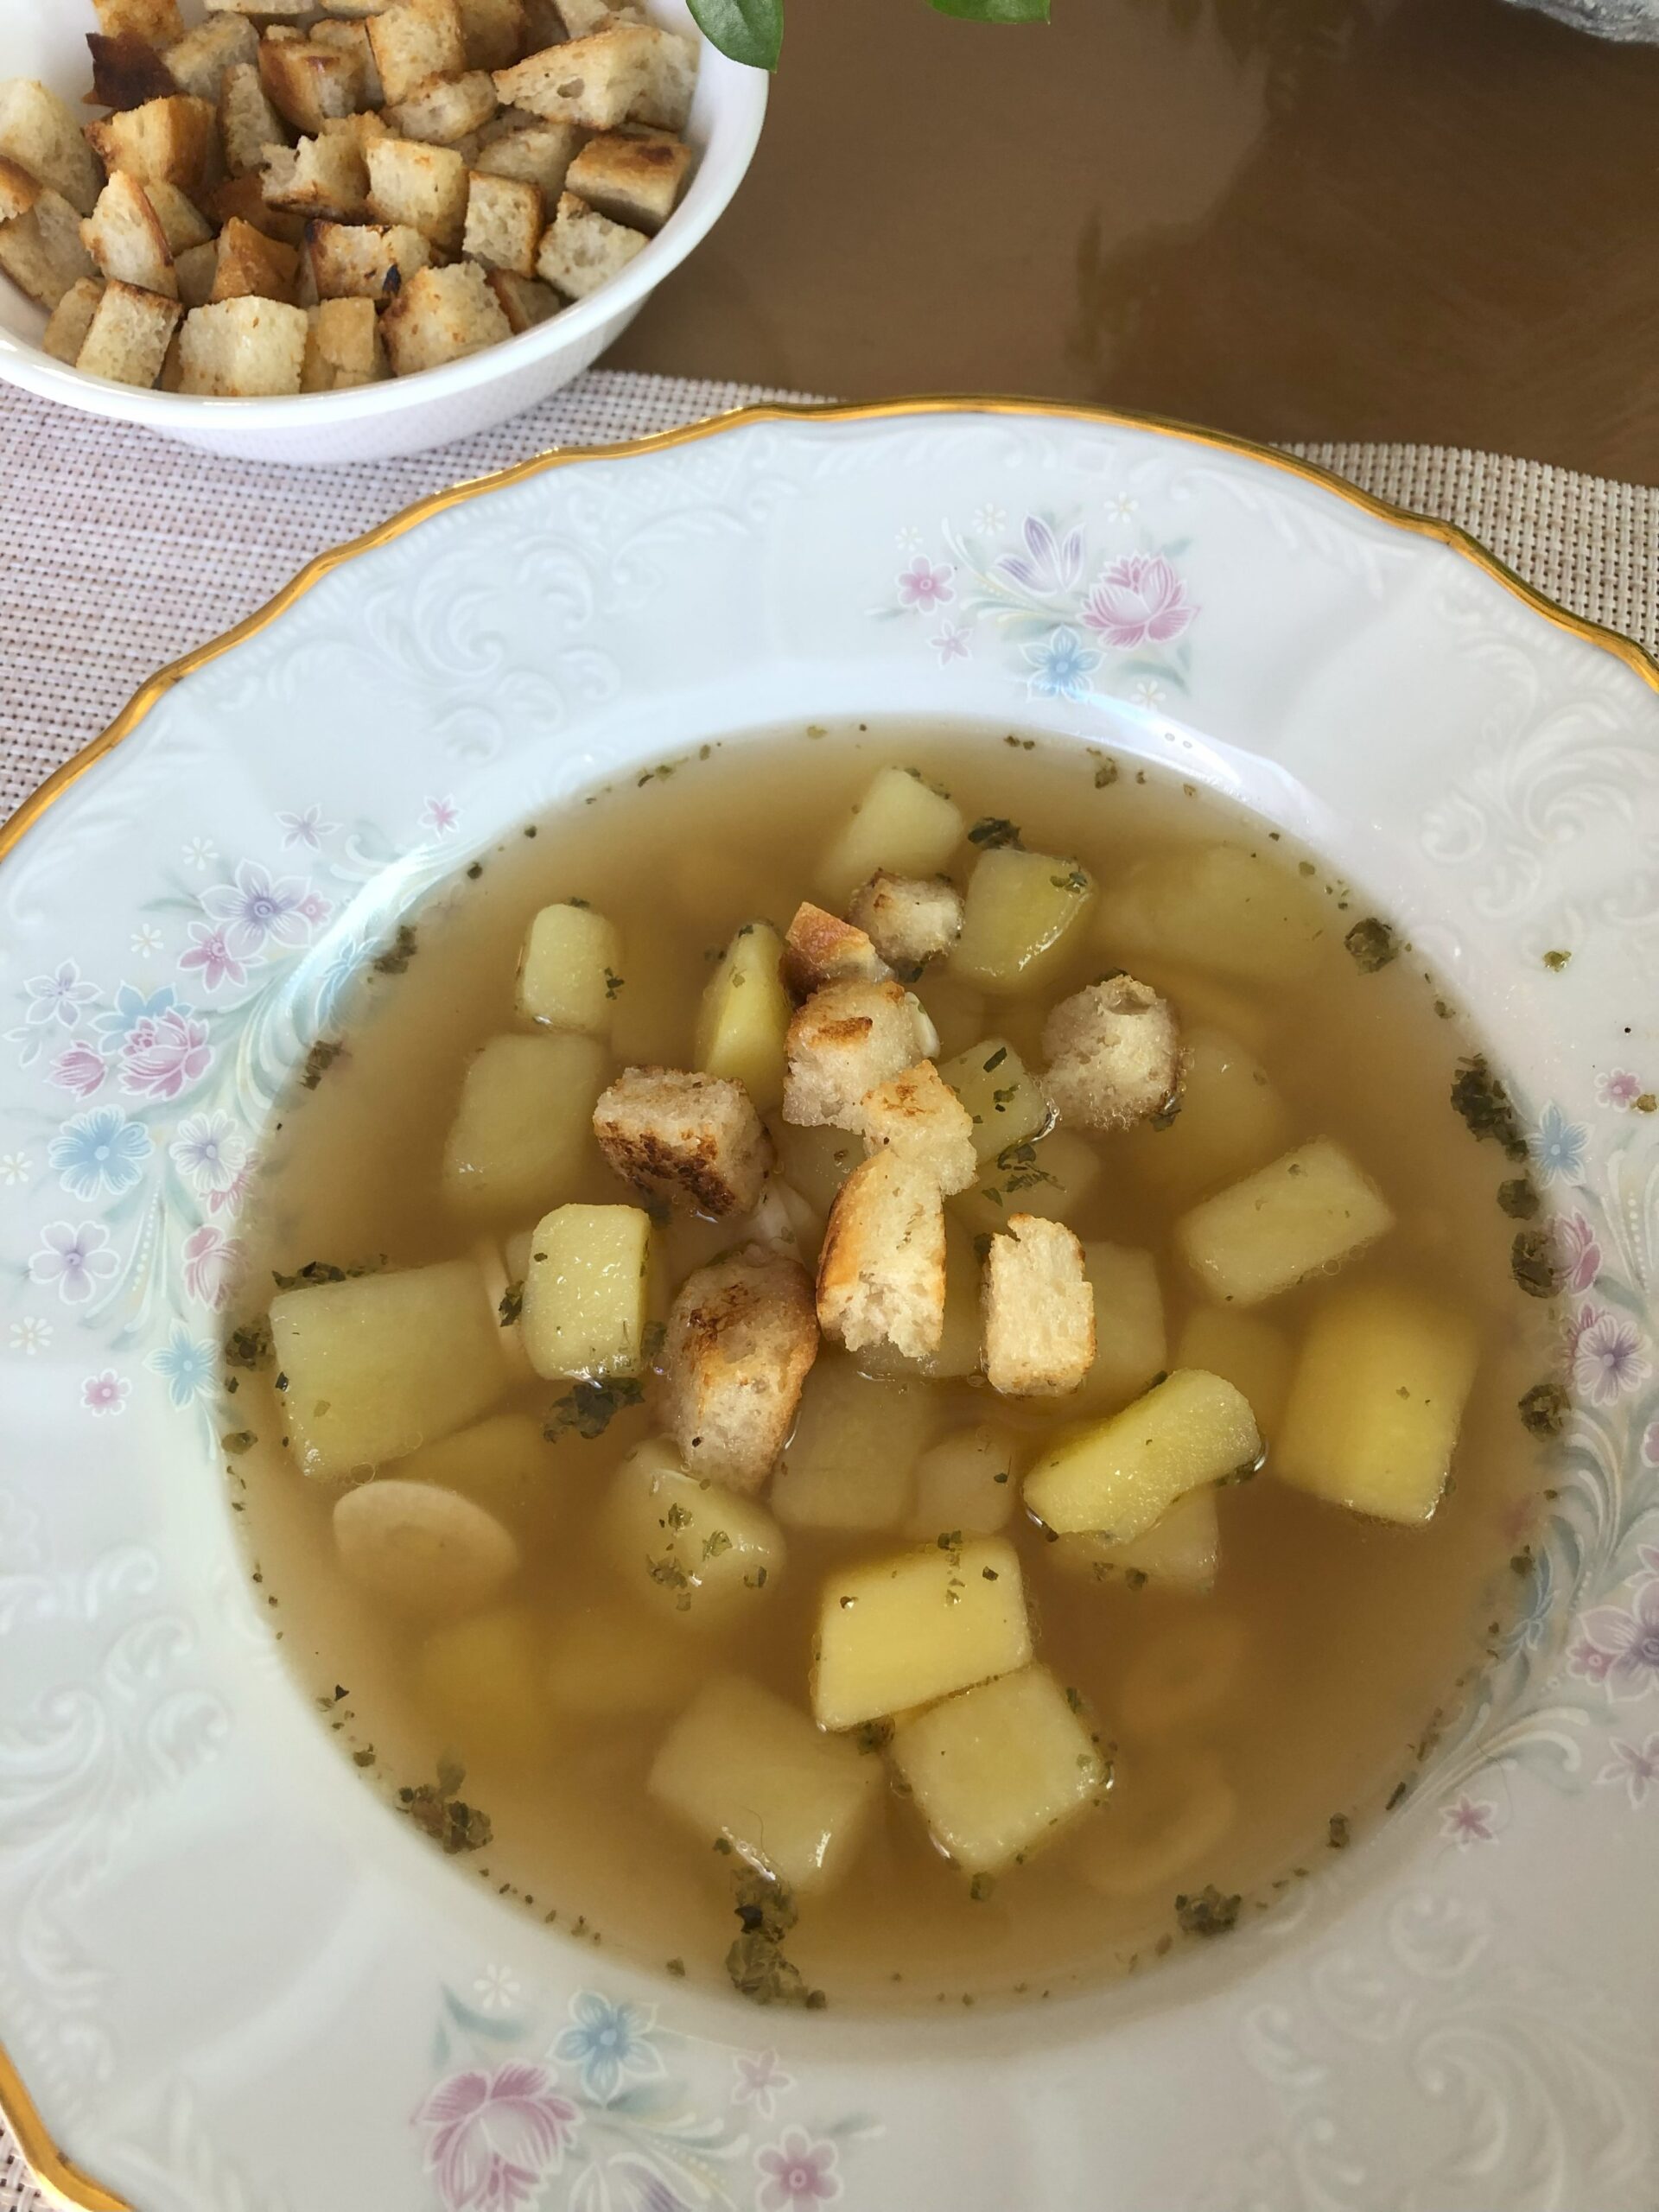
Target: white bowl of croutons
[{"x": 307, "y": 234}]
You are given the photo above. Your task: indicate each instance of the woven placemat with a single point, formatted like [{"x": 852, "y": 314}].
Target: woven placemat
[{"x": 119, "y": 551}]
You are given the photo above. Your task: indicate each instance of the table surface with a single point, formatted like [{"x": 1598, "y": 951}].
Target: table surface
[{"x": 1415, "y": 220}]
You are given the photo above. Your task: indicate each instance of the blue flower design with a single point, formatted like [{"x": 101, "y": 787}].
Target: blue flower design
[
  {"x": 186, "y": 1364},
  {"x": 99, "y": 1151},
  {"x": 130, "y": 1009},
  {"x": 611, "y": 2044},
  {"x": 1060, "y": 665},
  {"x": 1559, "y": 1145}
]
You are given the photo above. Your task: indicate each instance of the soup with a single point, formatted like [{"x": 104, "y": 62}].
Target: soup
[{"x": 892, "y": 1380}]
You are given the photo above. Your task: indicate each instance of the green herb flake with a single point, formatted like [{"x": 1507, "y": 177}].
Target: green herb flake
[
  {"x": 1074, "y": 881},
  {"x": 874, "y": 1736},
  {"x": 1372, "y": 944},
  {"x": 654, "y": 1336},
  {"x": 511, "y": 1305},
  {"x": 993, "y": 831},
  {"x": 1543, "y": 1410},
  {"x": 756, "y": 1962},
  {"x": 439, "y": 1811},
  {"x": 249, "y": 1345},
  {"x": 474, "y": 871},
  {"x": 613, "y": 983},
  {"x": 396, "y": 958},
  {"x": 677, "y": 1517},
  {"x": 1483, "y": 1105},
  {"x": 1397, "y": 1796},
  {"x": 316, "y": 1271},
  {"x": 1518, "y": 1197},
  {"x": 997, "y": 1059},
  {"x": 1209, "y": 1913},
  {"x": 1556, "y": 961},
  {"x": 1338, "y": 1834},
  {"x": 677, "y": 1968},
  {"x": 365, "y": 1758},
  {"x": 318, "y": 1061},
  {"x": 588, "y": 1409},
  {"x": 981, "y": 1887},
  {"x": 715, "y": 1542},
  {"x": 1105, "y": 775},
  {"x": 1647, "y": 1103},
  {"x": 239, "y": 1441},
  {"x": 1533, "y": 1263},
  {"x": 1074, "y": 1698},
  {"x": 1136, "y": 1578}
]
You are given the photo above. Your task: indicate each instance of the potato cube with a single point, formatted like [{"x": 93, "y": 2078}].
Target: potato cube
[
  {"x": 379, "y": 1365},
  {"x": 701, "y": 1554},
  {"x": 1306, "y": 1212},
  {"x": 523, "y": 1135},
  {"x": 1118, "y": 1477},
  {"x": 607, "y": 1661},
  {"x": 856, "y": 1439},
  {"x": 1050, "y": 1178},
  {"x": 1131, "y": 1348},
  {"x": 571, "y": 970},
  {"x": 483, "y": 1679},
  {"x": 1005, "y": 1100},
  {"x": 1248, "y": 1352},
  {"x": 745, "y": 1016},
  {"x": 1375, "y": 1402},
  {"x": 504, "y": 1464},
  {"x": 901, "y": 824},
  {"x": 959, "y": 1353},
  {"x": 999, "y": 1770},
  {"x": 1023, "y": 911},
  {"x": 965, "y": 1482},
  {"x": 425, "y": 1551},
  {"x": 1230, "y": 1120},
  {"x": 586, "y": 1293},
  {"x": 901, "y": 1632},
  {"x": 1224, "y": 907},
  {"x": 1179, "y": 1552}
]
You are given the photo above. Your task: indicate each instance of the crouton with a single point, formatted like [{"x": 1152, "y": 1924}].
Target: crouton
[
  {"x": 38, "y": 133},
  {"x": 156, "y": 22},
  {"x": 364, "y": 261},
  {"x": 625, "y": 72},
  {"x": 919, "y": 1117},
  {"x": 72, "y": 319},
  {"x": 845, "y": 1040},
  {"x": 267, "y": 10},
  {"x": 1115, "y": 1054},
  {"x": 820, "y": 948},
  {"x": 196, "y": 269},
  {"x": 42, "y": 251},
  {"x": 503, "y": 223},
  {"x": 18, "y": 191},
  {"x": 243, "y": 349},
  {"x": 582, "y": 18},
  {"x": 492, "y": 32},
  {"x": 881, "y": 1269},
  {"x": 306, "y": 81},
  {"x": 439, "y": 315},
  {"x": 362, "y": 131},
  {"x": 741, "y": 1338},
  {"x": 581, "y": 251},
  {"x": 126, "y": 72},
  {"x": 245, "y": 196},
  {"x": 446, "y": 110},
  {"x": 910, "y": 920},
  {"x": 416, "y": 41},
  {"x": 173, "y": 140},
  {"x": 541, "y": 155},
  {"x": 199, "y": 60},
  {"x": 325, "y": 177},
  {"x": 248, "y": 124},
  {"x": 359, "y": 8},
  {"x": 124, "y": 236},
  {"x": 422, "y": 186},
  {"x": 127, "y": 338},
  {"x": 1039, "y": 1309},
  {"x": 523, "y": 302},
  {"x": 633, "y": 179},
  {"x": 252, "y": 266},
  {"x": 354, "y": 39},
  {"x": 183, "y": 224},
  {"x": 695, "y": 1137},
  {"x": 342, "y": 347}
]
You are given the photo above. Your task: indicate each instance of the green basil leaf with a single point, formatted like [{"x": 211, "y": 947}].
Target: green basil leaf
[
  {"x": 995, "y": 11},
  {"x": 750, "y": 31}
]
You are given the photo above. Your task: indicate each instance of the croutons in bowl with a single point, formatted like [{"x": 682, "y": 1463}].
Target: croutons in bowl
[{"x": 333, "y": 233}]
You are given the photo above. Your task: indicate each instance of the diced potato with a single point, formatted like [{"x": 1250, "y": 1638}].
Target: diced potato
[
  {"x": 1376, "y": 1403},
  {"x": 901, "y": 824},
  {"x": 1117, "y": 1477},
  {"x": 1007, "y": 1103},
  {"x": 483, "y": 1679},
  {"x": 745, "y": 1016},
  {"x": 427, "y": 1553},
  {"x": 1183, "y": 1676},
  {"x": 379, "y": 1365},
  {"x": 1023, "y": 911},
  {"x": 1250, "y": 1352},
  {"x": 965, "y": 1482},
  {"x": 1223, "y": 907},
  {"x": 742, "y": 1764},
  {"x": 1231, "y": 1120},
  {"x": 1159, "y": 1828},
  {"x": 607, "y": 1661},
  {"x": 901, "y": 1632},
  {"x": 586, "y": 1291},
  {"x": 959, "y": 1353},
  {"x": 524, "y": 1134},
  {"x": 571, "y": 970},
  {"x": 703, "y": 1556},
  {"x": 1286, "y": 1222},
  {"x": 1000, "y": 1770},
  {"x": 1179, "y": 1552},
  {"x": 1131, "y": 1350},
  {"x": 1051, "y": 1177},
  {"x": 856, "y": 1440},
  {"x": 504, "y": 1464},
  {"x": 816, "y": 1161}
]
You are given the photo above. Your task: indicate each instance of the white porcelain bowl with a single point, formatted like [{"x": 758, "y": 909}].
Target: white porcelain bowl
[{"x": 46, "y": 39}]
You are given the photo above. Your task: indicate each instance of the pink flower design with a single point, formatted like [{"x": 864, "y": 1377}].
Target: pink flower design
[
  {"x": 1619, "y": 1645},
  {"x": 164, "y": 1053},
  {"x": 494, "y": 2137},
  {"x": 106, "y": 1393},
  {"x": 61, "y": 996},
  {"x": 796, "y": 2170},
  {"x": 316, "y": 908},
  {"x": 924, "y": 586},
  {"x": 306, "y": 828},
  {"x": 1139, "y": 601},
  {"x": 258, "y": 909},
  {"x": 1637, "y": 1765},
  {"x": 76, "y": 1258},
  {"x": 1469, "y": 1820},
  {"x": 80, "y": 1070},
  {"x": 1650, "y": 1444},
  {"x": 1619, "y": 1088},
  {"x": 1608, "y": 1357},
  {"x": 209, "y": 953},
  {"x": 1577, "y": 1253},
  {"x": 210, "y": 1258},
  {"x": 441, "y": 815},
  {"x": 760, "y": 2081},
  {"x": 951, "y": 642}
]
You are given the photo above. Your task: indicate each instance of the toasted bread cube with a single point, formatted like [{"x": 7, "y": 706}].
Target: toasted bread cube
[
  {"x": 325, "y": 177},
  {"x": 1223, "y": 907},
  {"x": 127, "y": 338},
  {"x": 847, "y": 1039},
  {"x": 248, "y": 124},
  {"x": 269, "y": 12},
  {"x": 416, "y": 42},
  {"x": 741, "y": 1337},
  {"x": 42, "y": 251},
  {"x": 1040, "y": 1310},
  {"x": 1180, "y": 1551},
  {"x": 364, "y": 261},
  {"x": 503, "y": 223},
  {"x": 1114, "y": 1053},
  {"x": 701, "y": 1554},
  {"x": 342, "y": 346},
  {"x": 957, "y": 1352},
  {"x": 1250, "y": 1352},
  {"x": 243, "y": 349},
  {"x": 252, "y": 266},
  {"x": 521, "y": 1140},
  {"x": 72, "y": 319},
  {"x": 611, "y": 1661},
  {"x": 850, "y": 1463},
  {"x": 901, "y": 1632},
  {"x": 157, "y": 22},
  {"x": 19, "y": 191},
  {"x": 183, "y": 224},
  {"x": 492, "y": 33},
  {"x": 743, "y": 1021},
  {"x": 197, "y": 270},
  {"x": 918, "y": 1116},
  {"x": 540, "y": 154},
  {"x": 693, "y": 1137},
  {"x": 1131, "y": 1347},
  {"x": 581, "y": 250},
  {"x": 379, "y": 1365},
  {"x": 900, "y": 824},
  {"x": 582, "y": 18},
  {"x": 820, "y": 948},
  {"x": 1374, "y": 1405},
  {"x": 173, "y": 140},
  {"x": 484, "y": 1679},
  {"x": 634, "y": 180},
  {"x": 525, "y": 304},
  {"x": 1230, "y": 1119},
  {"x": 1306, "y": 1212},
  {"x": 571, "y": 969},
  {"x": 354, "y": 39},
  {"x": 40, "y": 134},
  {"x": 245, "y": 196},
  {"x": 586, "y": 1293},
  {"x": 124, "y": 236},
  {"x": 1118, "y": 1477},
  {"x": 504, "y": 1464},
  {"x": 1001, "y": 1769},
  {"x": 881, "y": 1276},
  {"x": 126, "y": 71},
  {"x": 1022, "y": 914},
  {"x": 625, "y": 72},
  {"x": 445, "y": 110},
  {"x": 964, "y": 1483},
  {"x": 743, "y": 1766},
  {"x": 1005, "y": 1105},
  {"x": 307, "y": 81},
  {"x": 199, "y": 61},
  {"x": 422, "y": 186},
  {"x": 1052, "y": 1176},
  {"x": 910, "y": 920}
]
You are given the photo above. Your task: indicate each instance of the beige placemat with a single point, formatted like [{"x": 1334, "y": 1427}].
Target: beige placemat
[{"x": 119, "y": 551}]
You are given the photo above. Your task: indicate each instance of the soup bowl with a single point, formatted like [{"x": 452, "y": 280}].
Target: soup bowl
[{"x": 229, "y": 1976}]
